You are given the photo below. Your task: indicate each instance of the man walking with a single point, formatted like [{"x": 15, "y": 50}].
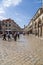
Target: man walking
[
  {"x": 15, "y": 36},
  {"x": 4, "y": 36}
]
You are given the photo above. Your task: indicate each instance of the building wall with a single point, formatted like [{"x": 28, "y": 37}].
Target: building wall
[
  {"x": 9, "y": 25},
  {"x": 37, "y": 24}
]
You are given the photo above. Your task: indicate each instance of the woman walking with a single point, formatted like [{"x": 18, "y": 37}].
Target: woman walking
[
  {"x": 9, "y": 36},
  {"x": 15, "y": 36}
]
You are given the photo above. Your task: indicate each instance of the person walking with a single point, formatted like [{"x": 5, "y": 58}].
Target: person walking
[
  {"x": 18, "y": 34},
  {"x": 15, "y": 36},
  {"x": 9, "y": 36},
  {"x": 4, "y": 36}
]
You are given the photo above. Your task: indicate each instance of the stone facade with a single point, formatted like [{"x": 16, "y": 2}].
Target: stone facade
[
  {"x": 36, "y": 24},
  {"x": 9, "y": 25},
  {"x": 28, "y": 28}
]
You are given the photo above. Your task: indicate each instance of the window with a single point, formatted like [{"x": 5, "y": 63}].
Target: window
[
  {"x": 6, "y": 25},
  {"x": 9, "y": 24}
]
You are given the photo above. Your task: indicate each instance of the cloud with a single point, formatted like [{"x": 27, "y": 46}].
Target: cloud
[
  {"x": 2, "y": 17},
  {"x": 2, "y": 10},
  {"x": 8, "y": 3},
  {"x": 16, "y": 2},
  {"x": 5, "y": 4}
]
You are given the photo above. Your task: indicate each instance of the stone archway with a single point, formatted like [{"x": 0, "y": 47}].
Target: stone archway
[
  {"x": 39, "y": 27},
  {"x": 35, "y": 28}
]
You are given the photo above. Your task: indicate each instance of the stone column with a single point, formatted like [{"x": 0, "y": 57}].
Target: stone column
[
  {"x": 41, "y": 30},
  {"x": 35, "y": 28},
  {"x": 38, "y": 29}
]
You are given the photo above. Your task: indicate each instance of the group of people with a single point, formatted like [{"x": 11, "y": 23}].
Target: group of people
[{"x": 14, "y": 35}]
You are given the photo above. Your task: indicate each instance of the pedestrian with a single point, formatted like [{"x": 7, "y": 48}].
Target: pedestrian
[
  {"x": 18, "y": 34},
  {"x": 15, "y": 36},
  {"x": 23, "y": 33},
  {"x": 4, "y": 36},
  {"x": 9, "y": 36},
  {"x": 12, "y": 34}
]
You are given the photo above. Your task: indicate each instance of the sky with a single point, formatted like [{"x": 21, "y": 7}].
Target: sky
[{"x": 21, "y": 11}]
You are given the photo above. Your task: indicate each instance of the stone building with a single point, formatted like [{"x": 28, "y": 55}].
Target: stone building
[
  {"x": 37, "y": 23},
  {"x": 28, "y": 28},
  {"x": 10, "y": 26}
]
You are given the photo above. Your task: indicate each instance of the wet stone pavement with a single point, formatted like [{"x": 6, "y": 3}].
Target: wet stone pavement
[{"x": 28, "y": 50}]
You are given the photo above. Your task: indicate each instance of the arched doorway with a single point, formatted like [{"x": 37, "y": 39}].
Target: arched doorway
[
  {"x": 36, "y": 28},
  {"x": 39, "y": 27}
]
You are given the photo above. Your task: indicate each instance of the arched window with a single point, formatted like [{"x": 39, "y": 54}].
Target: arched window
[
  {"x": 35, "y": 24},
  {"x": 39, "y": 27},
  {"x": 39, "y": 22}
]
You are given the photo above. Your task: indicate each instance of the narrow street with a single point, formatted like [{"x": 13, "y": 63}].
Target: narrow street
[{"x": 28, "y": 50}]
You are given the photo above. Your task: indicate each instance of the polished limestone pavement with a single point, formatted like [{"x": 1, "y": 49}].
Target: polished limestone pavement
[{"x": 27, "y": 50}]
